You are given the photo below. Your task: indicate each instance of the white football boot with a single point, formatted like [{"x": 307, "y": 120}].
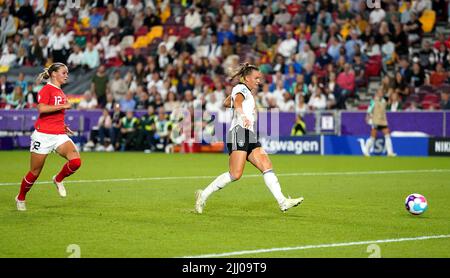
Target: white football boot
[
  {"x": 60, "y": 187},
  {"x": 289, "y": 203},
  {"x": 199, "y": 204},
  {"x": 20, "y": 205}
]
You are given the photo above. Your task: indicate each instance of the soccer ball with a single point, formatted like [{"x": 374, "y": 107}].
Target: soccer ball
[{"x": 416, "y": 204}]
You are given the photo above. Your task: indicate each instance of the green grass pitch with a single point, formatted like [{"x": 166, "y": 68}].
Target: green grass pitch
[{"x": 117, "y": 208}]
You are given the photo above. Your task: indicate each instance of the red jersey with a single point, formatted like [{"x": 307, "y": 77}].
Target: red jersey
[{"x": 52, "y": 123}]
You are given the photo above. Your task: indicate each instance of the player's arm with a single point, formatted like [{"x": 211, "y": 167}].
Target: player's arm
[
  {"x": 238, "y": 100},
  {"x": 45, "y": 108},
  {"x": 227, "y": 102}
]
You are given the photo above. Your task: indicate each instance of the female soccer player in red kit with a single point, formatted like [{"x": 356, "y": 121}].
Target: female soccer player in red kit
[{"x": 50, "y": 133}]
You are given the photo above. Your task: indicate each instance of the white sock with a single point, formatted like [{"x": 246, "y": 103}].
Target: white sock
[
  {"x": 388, "y": 144},
  {"x": 274, "y": 186},
  {"x": 217, "y": 184},
  {"x": 369, "y": 144}
]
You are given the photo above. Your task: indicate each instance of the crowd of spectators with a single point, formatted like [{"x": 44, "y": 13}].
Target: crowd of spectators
[{"x": 315, "y": 55}]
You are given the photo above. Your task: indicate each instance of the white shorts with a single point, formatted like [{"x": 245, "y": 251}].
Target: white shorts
[{"x": 44, "y": 143}]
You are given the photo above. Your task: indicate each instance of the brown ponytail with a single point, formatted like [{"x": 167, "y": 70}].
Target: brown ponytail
[{"x": 242, "y": 71}]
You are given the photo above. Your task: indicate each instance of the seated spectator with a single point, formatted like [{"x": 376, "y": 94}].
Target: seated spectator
[
  {"x": 162, "y": 125},
  {"x": 445, "y": 102},
  {"x": 287, "y": 104},
  {"x": 418, "y": 76},
  {"x": 127, "y": 103},
  {"x": 128, "y": 131},
  {"x": 75, "y": 60},
  {"x": 318, "y": 100},
  {"x": 147, "y": 128},
  {"x": 439, "y": 76},
  {"x": 15, "y": 100},
  {"x": 91, "y": 57},
  {"x": 360, "y": 71},
  {"x": 88, "y": 102},
  {"x": 104, "y": 126},
  {"x": 394, "y": 103},
  {"x": 400, "y": 86}
]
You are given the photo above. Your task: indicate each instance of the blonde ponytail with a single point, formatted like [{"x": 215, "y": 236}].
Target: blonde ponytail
[{"x": 47, "y": 73}]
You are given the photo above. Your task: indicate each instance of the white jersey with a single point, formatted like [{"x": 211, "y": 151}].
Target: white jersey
[{"x": 248, "y": 106}]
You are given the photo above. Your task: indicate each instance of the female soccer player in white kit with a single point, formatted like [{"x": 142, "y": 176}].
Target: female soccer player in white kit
[{"x": 242, "y": 142}]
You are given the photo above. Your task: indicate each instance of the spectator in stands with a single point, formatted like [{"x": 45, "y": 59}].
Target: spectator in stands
[
  {"x": 394, "y": 103},
  {"x": 88, "y": 102},
  {"x": 143, "y": 99},
  {"x": 7, "y": 26},
  {"x": 35, "y": 54},
  {"x": 400, "y": 86},
  {"x": 288, "y": 46},
  {"x": 127, "y": 103},
  {"x": 443, "y": 56},
  {"x": 110, "y": 101},
  {"x": 128, "y": 131},
  {"x": 59, "y": 44},
  {"x": 287, "y": 104},
  {"x": 377, "y": 16},
  {"x": 439, "y": 76},
  {"x": 104, "y": 131},
  {"x": 445, "y": 102},
  {"x": 91, "y": 57},
  {"x": 162, "y": 125},
  {"x": 427, "y": 56},
  {"x": 111, "y": 18},
  {"x": 118, "y": 86},
  {"x": 387, "y": 52},
  {"x": 192, "y": 19},
  {"x": 99, "y": 85},
  {"x": 8, "y": 57},
  {"x": 413, "y": 29},
  {"x": 318, "y": 100},
  {"x": 360, "y": 71},
  {"x": 346, "y": 83},
  {"x": 146, "y": 131},
  {"x": 75, "y": 60},
  {"x": 151, "y": 18},
  {"x": 171, "y": 103},
  {"x": 300, "y": 106},
  {"x": 15, "y": 100},
  {"x": 418, "y": 77}
]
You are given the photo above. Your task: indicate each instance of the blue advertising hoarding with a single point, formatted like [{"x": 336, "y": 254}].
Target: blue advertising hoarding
[{"x": 353, "y": 145}]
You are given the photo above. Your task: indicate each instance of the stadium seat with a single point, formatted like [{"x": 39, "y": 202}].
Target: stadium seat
[
  {"x": 430, "y": 97},
  {"x": 428, "y": 19}
]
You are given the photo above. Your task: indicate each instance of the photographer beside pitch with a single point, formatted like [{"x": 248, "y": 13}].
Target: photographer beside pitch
[{"x": 242, "y": 142}]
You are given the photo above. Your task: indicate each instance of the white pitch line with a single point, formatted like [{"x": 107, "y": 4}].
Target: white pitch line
[
  {"x": 355, "y": 173},
  {"x": 332, "y": 245}
]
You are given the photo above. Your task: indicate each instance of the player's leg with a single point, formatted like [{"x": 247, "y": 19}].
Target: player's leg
[
  {"x": 388, "y": 142},
  {"x": 37, "y": 162},
  {"x": 259, "y": 158},
  {"x": 371, "y": 141},
  {"x": 69, "y": 152},
  {"x": 236, "y": 168}
]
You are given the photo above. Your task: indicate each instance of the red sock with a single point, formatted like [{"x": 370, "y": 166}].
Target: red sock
[
  {"x": 68, "y": 169},
  {"x": 27, "y": 183}
]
